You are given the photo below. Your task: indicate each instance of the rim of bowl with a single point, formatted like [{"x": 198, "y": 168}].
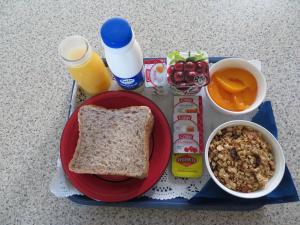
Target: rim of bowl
[
  {"x": 250, "y": 109},
  {"x": 251, "y": 195}
]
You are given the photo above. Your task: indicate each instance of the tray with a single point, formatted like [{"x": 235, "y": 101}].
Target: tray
[{"x": 207, "y": 199}]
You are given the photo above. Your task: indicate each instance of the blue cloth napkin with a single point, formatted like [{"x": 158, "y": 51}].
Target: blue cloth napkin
[{"x": 285, "y": 192}]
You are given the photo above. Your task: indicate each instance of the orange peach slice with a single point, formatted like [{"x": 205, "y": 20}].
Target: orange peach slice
[
  {"x": 240, "y": 106},
  {"x": 231, "y": 85}
]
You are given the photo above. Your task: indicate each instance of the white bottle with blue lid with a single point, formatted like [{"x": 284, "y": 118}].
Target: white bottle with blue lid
[{"x": 123, "y": 53}]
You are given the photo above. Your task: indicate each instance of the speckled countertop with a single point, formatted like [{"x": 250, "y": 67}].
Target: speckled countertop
[{"x": 35, "y": 90}]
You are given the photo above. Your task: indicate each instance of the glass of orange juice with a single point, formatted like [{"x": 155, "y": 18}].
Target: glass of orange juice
[{"x": 85, "y": 66}]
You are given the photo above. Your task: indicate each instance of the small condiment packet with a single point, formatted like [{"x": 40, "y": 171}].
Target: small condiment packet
[
  {"x": 186, "y": 142},
  {"x": 185, "y": 122},
  {"x": 187, "y": 104}
]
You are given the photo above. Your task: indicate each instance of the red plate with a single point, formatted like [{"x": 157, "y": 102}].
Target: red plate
[{"x": 106, "y": 189}]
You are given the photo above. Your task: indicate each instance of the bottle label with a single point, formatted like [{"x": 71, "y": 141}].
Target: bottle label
[{"x": 131, "y": 83}]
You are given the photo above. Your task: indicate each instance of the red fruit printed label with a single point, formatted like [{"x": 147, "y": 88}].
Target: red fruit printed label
[{"x": 187, "y": 72}]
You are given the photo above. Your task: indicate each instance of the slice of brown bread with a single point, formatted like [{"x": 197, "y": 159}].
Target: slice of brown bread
[{"x": 113, "y": 141}]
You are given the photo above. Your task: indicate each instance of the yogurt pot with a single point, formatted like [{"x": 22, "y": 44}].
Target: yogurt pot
[{"x": 187, "y": 71}]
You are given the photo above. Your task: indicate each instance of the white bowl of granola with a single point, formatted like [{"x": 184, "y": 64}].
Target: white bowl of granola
[{"x": 244, "y": 159}]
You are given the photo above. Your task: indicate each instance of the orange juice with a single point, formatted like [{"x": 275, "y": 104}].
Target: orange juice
[
  {"x": 92, "y": 76},
  {"x": 84, "y": 65},
  {"x": 233, "y": 89}
]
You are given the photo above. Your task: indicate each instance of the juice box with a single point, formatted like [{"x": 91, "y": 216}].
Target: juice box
[{"x": 155, "y": 71}]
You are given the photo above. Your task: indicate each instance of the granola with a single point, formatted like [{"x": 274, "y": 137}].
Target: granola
[{"x": 241, "y": 159}]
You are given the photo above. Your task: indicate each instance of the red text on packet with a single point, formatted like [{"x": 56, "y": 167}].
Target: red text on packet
[
  {"x": 185, "y": 100},
  {"x": 184, "y": 117},
  {"x": 186, "y": 160},
  {"x": 186, "y": 136}
]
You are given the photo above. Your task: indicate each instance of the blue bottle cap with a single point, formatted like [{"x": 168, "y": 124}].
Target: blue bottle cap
[{"x": 116, "y": 33}]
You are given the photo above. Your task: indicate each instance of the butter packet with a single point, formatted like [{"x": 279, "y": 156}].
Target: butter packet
[
  {"x": 186, "y": 142},
  {"x": 187, "y": 135},
  {"x": 187, "y": 104},
  {"x": 185, "y": 123}
]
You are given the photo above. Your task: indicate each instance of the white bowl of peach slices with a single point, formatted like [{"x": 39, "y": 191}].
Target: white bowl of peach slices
[{"x": 236, "y": 86}]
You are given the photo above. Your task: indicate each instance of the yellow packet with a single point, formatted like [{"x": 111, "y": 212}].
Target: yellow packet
[{"x": 187, "y": 165}]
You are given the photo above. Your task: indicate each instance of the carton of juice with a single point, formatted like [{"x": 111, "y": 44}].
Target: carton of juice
[
  {"x": 156, "y": 76},
  {"x": 187, "y": 137}
]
